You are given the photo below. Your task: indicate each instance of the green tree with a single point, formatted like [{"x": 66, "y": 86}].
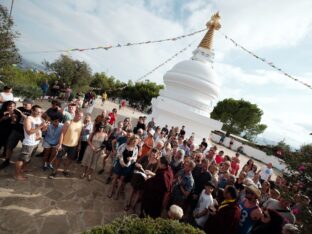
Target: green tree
[
  {"x": 239, "y": 117},
  {"x": 72, "y": 72},
  {"x": 25, "y": 83},
  {"x": 141, "y": 93},
  {"x": 100, "y": 80},
  {"x": 8, "y": 52}
]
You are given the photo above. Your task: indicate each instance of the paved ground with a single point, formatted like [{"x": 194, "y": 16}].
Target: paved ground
[{"x": 63, "y": 205}]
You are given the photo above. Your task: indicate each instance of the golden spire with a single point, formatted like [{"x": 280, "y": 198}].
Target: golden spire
[{"x": 213, "y": 24}]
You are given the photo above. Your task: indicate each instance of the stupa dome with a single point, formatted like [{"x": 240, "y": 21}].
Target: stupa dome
[{"x": 192, "y": 82}]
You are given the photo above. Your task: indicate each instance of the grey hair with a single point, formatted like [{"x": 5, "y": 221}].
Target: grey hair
[
  {"x": 182, "y": 152},
  {"x": 290, "y": 229}
]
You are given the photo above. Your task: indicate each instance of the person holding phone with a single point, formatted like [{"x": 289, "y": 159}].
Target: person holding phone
[{"x": 33, "y": 125}]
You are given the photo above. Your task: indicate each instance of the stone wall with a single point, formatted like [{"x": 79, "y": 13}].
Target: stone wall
[{"x": 254, "y": 153}]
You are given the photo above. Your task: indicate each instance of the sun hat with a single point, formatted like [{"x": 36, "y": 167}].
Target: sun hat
[
  {"x": 253, "y": 188},
  {"x": 152, "y": 132}
]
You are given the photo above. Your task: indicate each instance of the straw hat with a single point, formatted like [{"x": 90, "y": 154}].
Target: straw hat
[{"x": 252, "y": 187}]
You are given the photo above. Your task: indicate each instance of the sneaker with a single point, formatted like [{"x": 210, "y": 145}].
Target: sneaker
[
  {"x": 108, "y": 180},
  {"x": 101, "y": 171},
  {"x": 5, "y": 164},
  {"x": 66, "y": 173},
  {"x": 52, "y": 175}
]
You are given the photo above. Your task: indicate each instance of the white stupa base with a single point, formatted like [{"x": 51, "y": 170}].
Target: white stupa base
[{"x": 174, "y": 113}]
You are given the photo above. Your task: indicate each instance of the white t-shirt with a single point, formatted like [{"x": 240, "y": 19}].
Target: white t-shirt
[
  {"x": 31, "y": 139},
  {"x": 266, "y": 173},
  {"x": 203, "y": 203},
  {"x": 6, "y": 96}
]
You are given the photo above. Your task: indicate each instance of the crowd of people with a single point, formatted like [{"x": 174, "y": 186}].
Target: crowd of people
[{"x": 168, "y": 174}]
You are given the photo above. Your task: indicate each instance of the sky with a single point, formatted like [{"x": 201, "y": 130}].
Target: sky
[{"x": 279, "y": 30}]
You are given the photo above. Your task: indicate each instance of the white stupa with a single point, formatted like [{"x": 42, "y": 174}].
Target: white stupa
[{"x": 191, "y": 91}]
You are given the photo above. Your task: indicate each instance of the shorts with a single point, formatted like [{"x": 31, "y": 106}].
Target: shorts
[
  {"x": 14, "y": 138},
  {"x": 27, "y": 152},
  {"x": 46, "y": 145},
  {"x": 70, "y": 151}
]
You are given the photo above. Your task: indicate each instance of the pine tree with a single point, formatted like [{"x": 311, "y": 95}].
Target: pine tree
[{"x": 8, "y": 52}]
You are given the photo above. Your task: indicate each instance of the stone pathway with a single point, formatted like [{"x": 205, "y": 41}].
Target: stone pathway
[{"x": 62, "y": 205}]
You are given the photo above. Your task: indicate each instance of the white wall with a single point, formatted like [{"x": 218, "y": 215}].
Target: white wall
[{"x": 259, "y": 155}]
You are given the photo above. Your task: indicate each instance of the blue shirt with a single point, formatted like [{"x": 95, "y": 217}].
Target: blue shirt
[
  {"x": 86, "y": 132},
  {"x": 245, "y": 223},
  {"x": 53, "y": 134},
  {"x": 187, "y": 183}
]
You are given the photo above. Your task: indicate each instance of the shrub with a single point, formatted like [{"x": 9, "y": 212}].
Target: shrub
[{"x": 135, "y": 225}]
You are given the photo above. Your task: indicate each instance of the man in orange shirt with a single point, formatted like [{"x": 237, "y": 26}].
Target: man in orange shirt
[
  {"x": 68, "y": 143},
  {"x": 148, "y": 142}
]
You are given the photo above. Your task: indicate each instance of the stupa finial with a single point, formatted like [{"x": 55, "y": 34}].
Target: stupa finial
[{"x": 212, "y": 25}]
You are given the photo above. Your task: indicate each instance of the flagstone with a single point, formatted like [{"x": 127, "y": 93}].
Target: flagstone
[{"x": 55, "y": 225}]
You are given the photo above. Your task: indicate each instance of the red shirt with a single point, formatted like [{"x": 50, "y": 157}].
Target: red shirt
[
  {"x": 112, "y": 118},
  {"x": 234, "y": 168},
  {"x": 218, "y": 159}
]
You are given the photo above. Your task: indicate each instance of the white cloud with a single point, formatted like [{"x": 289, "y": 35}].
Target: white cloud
[
  {"x": 257, "y": 24},
  {"x": 283, "y": 101}
]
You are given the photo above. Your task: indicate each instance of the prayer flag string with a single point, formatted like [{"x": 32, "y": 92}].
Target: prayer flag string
[
  {"x": 118, "y": 45},
  {"x": 269, "y": 63},
  {"x": 165, "y": 62},
  {"x": 157, "y": 67}
]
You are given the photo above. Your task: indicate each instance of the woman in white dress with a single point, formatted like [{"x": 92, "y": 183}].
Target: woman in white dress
[{"x": 93, "y": 151}]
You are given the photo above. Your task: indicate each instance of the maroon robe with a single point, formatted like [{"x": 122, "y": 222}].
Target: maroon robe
[
  {"x": 226, "y": 220},
  {"x": 156, "y": 189}
]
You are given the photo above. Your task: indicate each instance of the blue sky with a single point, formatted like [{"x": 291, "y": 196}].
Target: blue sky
[{"x": 279, "y": 30}]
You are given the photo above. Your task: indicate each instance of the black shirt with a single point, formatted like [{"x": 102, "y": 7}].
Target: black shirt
[
  {"x": 182, "y": 132},
  {"x": 239, "y": 186},
  {"x": 164, "y": 129},
  {"x": 200, "y": 179},
  {"x": 142, "y": 126},
  {"x": 52, "y": 112},
  {"x": 177, "y": 168},
  {"x": 126, "y": 154},
  {"x": 6, "y": 126}
]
